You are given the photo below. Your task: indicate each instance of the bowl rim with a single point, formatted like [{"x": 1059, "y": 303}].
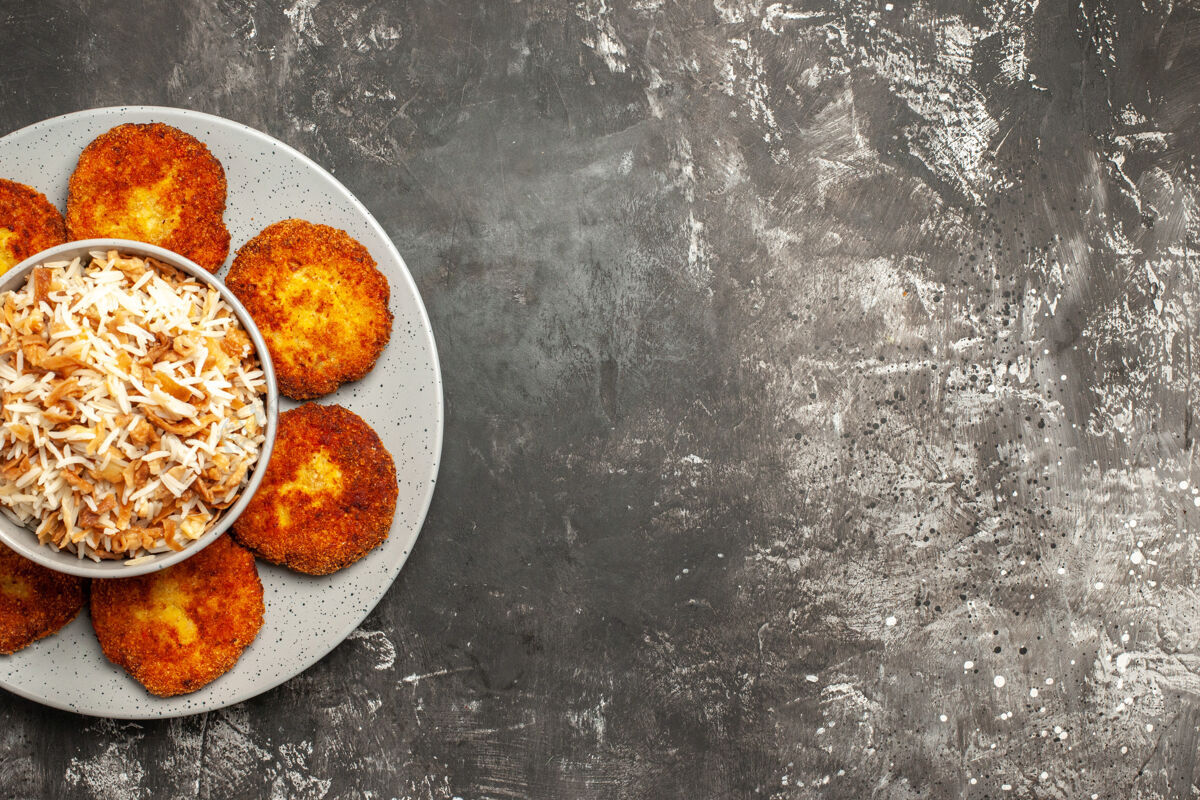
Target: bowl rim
[{"x": 22, "y": 540}]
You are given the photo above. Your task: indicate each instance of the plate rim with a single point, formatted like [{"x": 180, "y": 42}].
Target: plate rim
[{"x": 439, "y": 396}]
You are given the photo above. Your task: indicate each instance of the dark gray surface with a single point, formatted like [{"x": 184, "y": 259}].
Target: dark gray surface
[{"x": 795, "y": 354}]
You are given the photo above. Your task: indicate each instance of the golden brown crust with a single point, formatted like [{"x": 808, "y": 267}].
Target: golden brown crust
[
  {"x": 328, "y": 495},
  {"x": 318, "y": 300},
  {"x": 29, "y": 223},
  {"x": 151, "y": 183},
  {"x": 179, "y": 629},
  {"x": 34, "y": 601}
]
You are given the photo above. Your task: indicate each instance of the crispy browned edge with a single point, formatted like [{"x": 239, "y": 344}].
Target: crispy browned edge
[
  {"x": 55, "y": 600},
  {"x": 36, "y": 222},
  {"x": 223, "y": 572},
  {"x": 266, "y": 261},
  {"x": 325, "y": 533},
  {"x": 135, "y": 154}
]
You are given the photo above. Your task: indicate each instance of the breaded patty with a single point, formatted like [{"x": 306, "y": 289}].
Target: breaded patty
[
  {"x": 151, "y": 183},
  {"x": 328, "y": 495},
  {"x": 318, "y": 300},
  {"x": 178, "y": 629},
  {"x": 34, "y": 601},
  {"x": 29, "y": 223}
]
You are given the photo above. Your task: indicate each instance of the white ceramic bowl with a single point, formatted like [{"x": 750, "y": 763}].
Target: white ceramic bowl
[{"x": 23, "y": 540}]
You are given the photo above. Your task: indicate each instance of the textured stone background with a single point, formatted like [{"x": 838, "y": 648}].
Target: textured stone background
[{"x": 819, "y": 383}]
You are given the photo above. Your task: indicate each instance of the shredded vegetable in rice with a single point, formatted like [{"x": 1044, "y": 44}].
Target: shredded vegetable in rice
[{"x": 132, "y": 406}]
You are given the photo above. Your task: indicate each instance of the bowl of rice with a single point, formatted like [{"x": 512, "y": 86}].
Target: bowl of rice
[{"x": 138, "y": 408}]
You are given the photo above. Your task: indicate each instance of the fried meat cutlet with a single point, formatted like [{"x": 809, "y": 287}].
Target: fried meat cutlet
[
  {"x": 151, "y": 183},
  {"x": 34, "y": 601},
  {"x": 328, "y": 495},
  {"x": 29, "y": 223},
  {"x": 178, "y": 629},
  {"x": 318, "y": 300}
]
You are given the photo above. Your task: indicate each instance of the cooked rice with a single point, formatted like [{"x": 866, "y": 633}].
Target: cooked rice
[{"x": 132, "y": 406}]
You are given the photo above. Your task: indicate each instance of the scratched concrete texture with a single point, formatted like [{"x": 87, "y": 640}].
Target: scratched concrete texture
[{"x": 819, "y": 383}]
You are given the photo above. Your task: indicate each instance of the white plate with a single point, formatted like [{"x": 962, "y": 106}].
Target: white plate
[{"x": 401, "y": 398}]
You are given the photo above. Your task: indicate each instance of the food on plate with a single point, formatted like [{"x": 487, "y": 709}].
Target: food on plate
[
  {"x": 328, "y": 495},
  {"x": 29, "y": 223},
  {"x": 180, "y": 628},
  {"x": 151, "y": 183},
  {"x": 132, "y": 411},
  {"x": 34, "y": 601},
  {"x": 132, "y": 406},
  {"x": 319, "y": 302}
]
